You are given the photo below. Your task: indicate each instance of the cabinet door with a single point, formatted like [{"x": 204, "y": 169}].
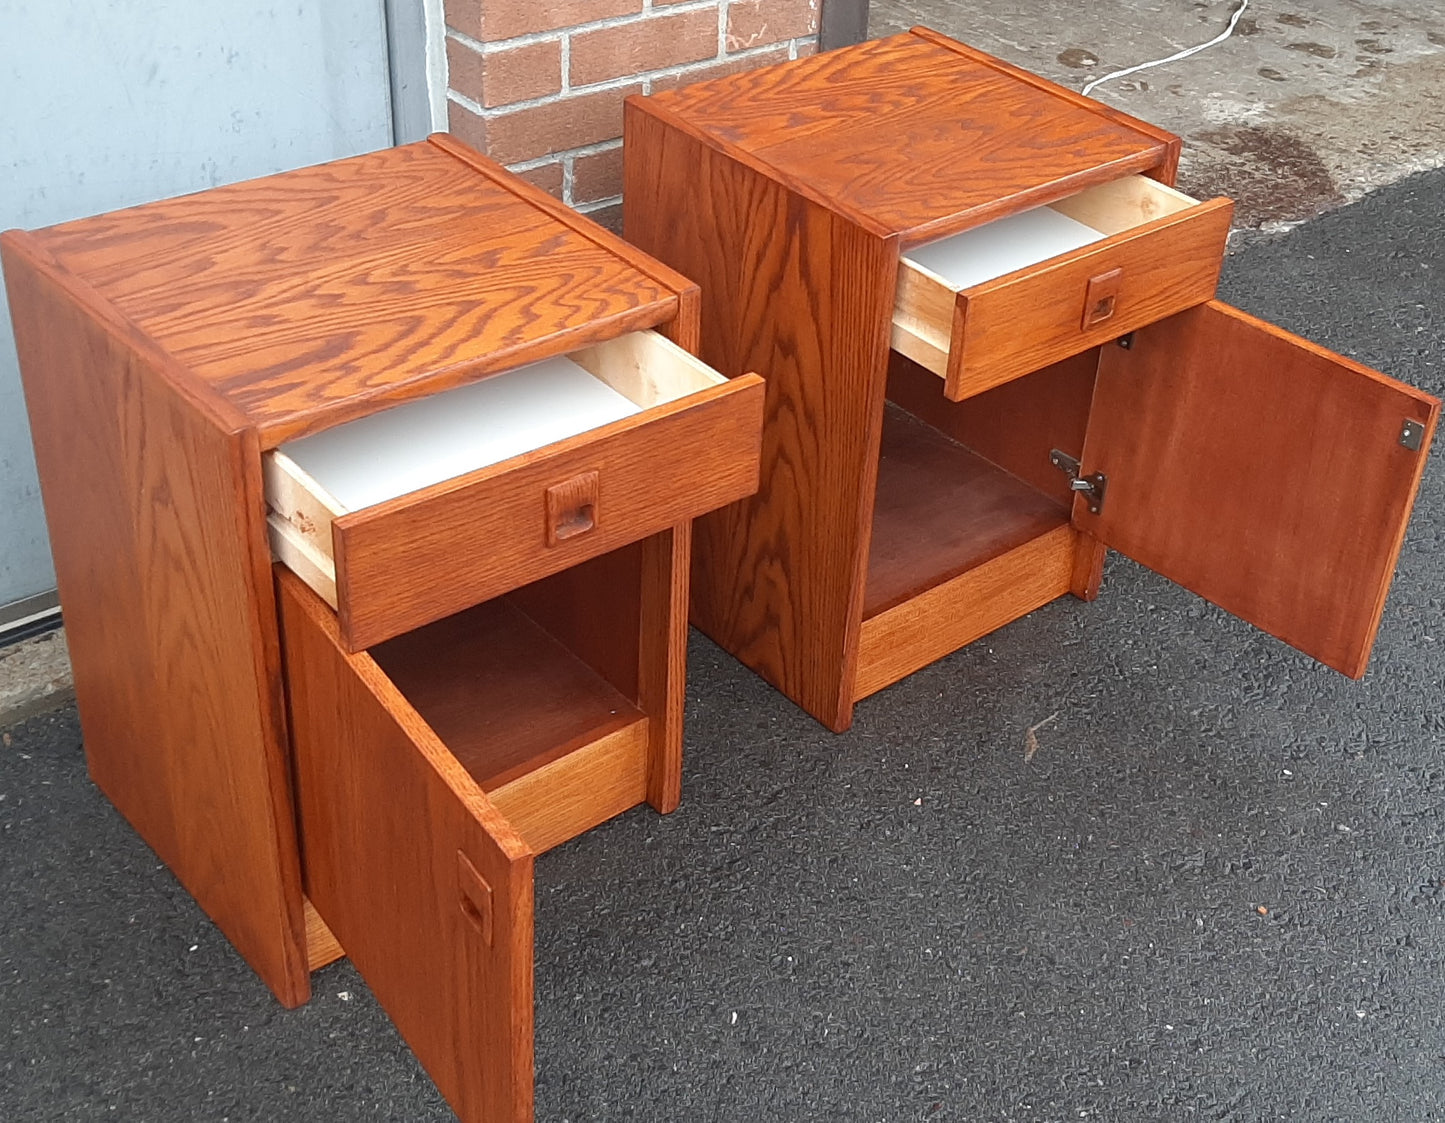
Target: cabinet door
[
  {"x": 1266, "y": 474},
  {"x": 425, "y": 885}
]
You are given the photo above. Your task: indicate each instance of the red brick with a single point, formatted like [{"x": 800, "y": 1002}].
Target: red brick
[
  {"x": 465, "y": 16},
  {"x": 547, "y": 176},
  {"x": 467, "y": 127},
  {"x": 493, "y": 78},
  {"x": 610, "y": 217},
  {"x": 597, "y": 176},
  {"x": 568, "y": 122},
  {"x": 808, "y": 48},
  {"x": 491, "y": 21},
  {"x": 754, "y": 23},
  {"x": 646, "y": 44},
  {"x": 464, "y": 70},
  {"x": 720, "y": 69}
]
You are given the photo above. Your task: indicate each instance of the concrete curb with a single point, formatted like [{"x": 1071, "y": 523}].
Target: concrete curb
[{"x": 35, "y": 677}]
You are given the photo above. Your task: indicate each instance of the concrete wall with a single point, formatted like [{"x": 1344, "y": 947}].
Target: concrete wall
[{"x": 108, "y": 105}]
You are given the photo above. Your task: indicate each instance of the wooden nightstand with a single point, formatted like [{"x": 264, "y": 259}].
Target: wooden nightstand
[
  {"x": 986, "y": 322},
  {"x": 500, "y": 664}
]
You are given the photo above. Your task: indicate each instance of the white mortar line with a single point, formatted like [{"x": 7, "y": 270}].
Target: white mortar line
[
  {"x": 466, "y": 40},
  {"x": 681, "y": 70},
  {"x": 593, "y": 25},
  {"x": 569, "y": 175},
  {"x": 598, "y": 204},
  {"x": 466, "y": 103},
  {"x": 555, "y": 157},
  {"x": 539, "y": 162},
  {"x": 437, "y": 77}
]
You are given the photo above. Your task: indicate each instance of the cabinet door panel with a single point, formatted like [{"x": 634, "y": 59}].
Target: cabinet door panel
[
  {"x": 425, "y": 885},
  {"x": 1260, "y": 471}
]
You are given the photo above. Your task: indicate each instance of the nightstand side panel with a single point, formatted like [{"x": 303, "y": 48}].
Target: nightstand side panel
[
  {"x": 803, "y": 297},
  {"x": 153, "y": 504}
]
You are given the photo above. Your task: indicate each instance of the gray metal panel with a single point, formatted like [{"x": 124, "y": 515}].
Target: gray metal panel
[
  {"x": 842, "y": 23},
  {"x": 107, "y": 105},
  {"x": 406, "y": 35}
]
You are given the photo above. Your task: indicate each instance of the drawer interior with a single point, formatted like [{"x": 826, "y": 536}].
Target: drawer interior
[
  {"x": 312, "y": 481},
  {"x": 536, "y": 693},
  {"x": 1001, "y": 300},
  {"x": 963, "y": 483},
  {"x": 1018, "y": 241}
]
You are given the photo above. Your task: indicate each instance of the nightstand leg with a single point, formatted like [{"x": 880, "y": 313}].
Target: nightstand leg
[
  {"x": 662, "y": 673},
  {"x": 1088, "y": 567}
]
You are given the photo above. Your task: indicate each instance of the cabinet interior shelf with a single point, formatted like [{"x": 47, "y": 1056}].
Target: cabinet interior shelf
[
  {"x": 940, "y": 510},
  {"x": 505, "y": 696}
]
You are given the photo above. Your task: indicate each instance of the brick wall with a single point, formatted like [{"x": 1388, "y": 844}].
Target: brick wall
[{"x": 538, "y": 84}]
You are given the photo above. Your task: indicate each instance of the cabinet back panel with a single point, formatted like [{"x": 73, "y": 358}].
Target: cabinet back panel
[
  {"x": 1014, "y": 425},
  {"x": 594, "y": 608},
  {"x": 500, "y": 692}
]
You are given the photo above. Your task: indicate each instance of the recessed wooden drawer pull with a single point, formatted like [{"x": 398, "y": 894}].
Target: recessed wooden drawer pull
[
  {"x": 571, "y": 508},
  {"x": 475, "y": 897},
  {"x": 1100, "y": 296}
]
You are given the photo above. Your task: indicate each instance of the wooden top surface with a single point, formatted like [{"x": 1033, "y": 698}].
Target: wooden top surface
[
  {"x": 916, "y": 134},
  {"x": 311, "y": 297}
]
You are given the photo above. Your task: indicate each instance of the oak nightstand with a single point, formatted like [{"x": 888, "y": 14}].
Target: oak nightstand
[
  {"x": 468, "y": 423},
  {"x": 986, "y": 322}
]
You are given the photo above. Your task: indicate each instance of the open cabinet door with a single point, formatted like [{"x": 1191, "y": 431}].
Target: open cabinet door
[
  {"x": 1266, "y": 474},
  {"x": 425, "y": 885}
]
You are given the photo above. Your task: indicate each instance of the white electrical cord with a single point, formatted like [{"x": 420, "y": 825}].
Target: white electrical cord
[{"x": 1220, "y": 38}]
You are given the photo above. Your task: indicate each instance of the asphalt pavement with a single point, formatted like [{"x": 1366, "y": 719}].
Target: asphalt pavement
[{"x": 1214, "y": 890}]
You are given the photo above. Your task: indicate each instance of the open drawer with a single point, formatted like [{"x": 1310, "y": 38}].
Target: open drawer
[
  {"x": 1000, "y": 300},
  {"x": 419, "y": 511},
  {"x": 430, "y": 769}
]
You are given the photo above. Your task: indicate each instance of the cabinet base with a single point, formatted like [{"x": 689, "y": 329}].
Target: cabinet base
[{"x": 895, "y": 643}]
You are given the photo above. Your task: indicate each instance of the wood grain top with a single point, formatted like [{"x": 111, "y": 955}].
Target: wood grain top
[
  {"x": 916, "y": 134},
  {"x": 307, "y": 298}
]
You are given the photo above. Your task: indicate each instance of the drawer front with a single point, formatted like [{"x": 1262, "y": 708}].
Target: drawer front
[
  {"x": 412, "y": 560},
  {"x": 1009, "y": 327}
]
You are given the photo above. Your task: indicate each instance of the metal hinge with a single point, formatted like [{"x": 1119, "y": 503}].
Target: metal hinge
[
  {"x": 1092, "y": 486},
  {"x": 1412, "y": 435}
]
